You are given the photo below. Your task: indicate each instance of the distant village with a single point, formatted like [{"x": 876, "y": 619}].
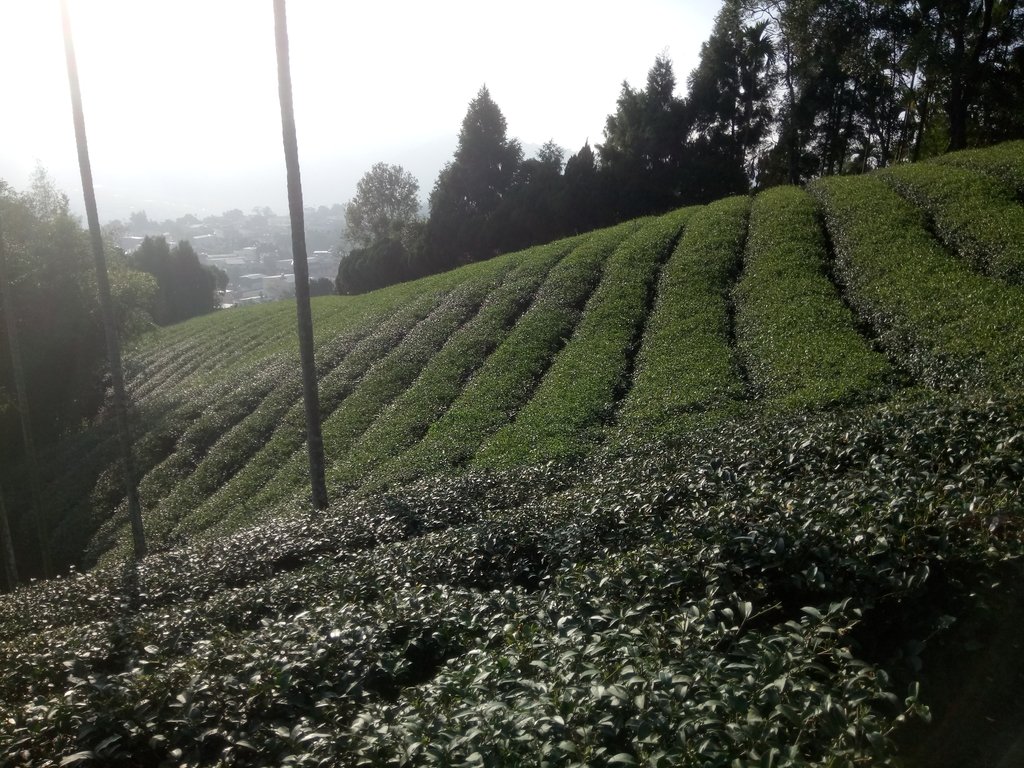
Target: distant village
[{"x": 254, "y": 249}]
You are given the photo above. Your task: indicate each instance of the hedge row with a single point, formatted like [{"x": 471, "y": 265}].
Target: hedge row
[
  {"x": 384, "y": 382},
  {"x": 259, "y": 451},
  {"x": 579, "y": 391},
  {"x": 1003, "y": 161},
  {"x": 946, "y": 324},
  {"x": 184, "y": 407},
  {"x": 392, "y": 315},
  {"x": 509, "y": 376},
  {"x": 974, "y": 214},
  {"x": 406, "y": 421},
  {"x": 799, "y": 344},
  {"x": 211, "y": 346},
  {"x": 686, "y": 365},
  {"x": 240, "y": 447}
]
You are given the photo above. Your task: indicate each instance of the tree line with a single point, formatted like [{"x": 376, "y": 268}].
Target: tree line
[
  {"x": 90, "y": 306},
  {"x": 784, "y": 91},
  {"x": 50, "y": 301}
]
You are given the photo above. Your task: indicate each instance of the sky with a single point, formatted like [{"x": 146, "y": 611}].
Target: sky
[{"x": 181, "y": 102}]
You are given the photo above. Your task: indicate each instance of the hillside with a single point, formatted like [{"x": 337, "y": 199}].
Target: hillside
[{"x": 740, "y": 482}]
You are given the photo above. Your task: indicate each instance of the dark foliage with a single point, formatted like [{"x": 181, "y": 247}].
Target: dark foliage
[
  {"x": 185, "y": 288},
  {"x": 384, "y": 262},
  {"x": 63, "y": 355},
  {"x": 764, "y": 588}
]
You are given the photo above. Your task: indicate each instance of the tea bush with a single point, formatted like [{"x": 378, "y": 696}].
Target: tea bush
[
  {"x": 975, "y": 215},
  {"x": 385, "y": 382},
  {"x": 799, "y": 344},
  {"x": 509, "y": 376},
  {"x": 579, "y": 390},
  {"x": 406, "y": 421},
  {"x": 259, "y": 450},
  {"x": 1004, "y": 161},
  {"x": 749, "y": 595},
  {"x": 947, "y": 325},
  {"x": 686, "y": 363}
]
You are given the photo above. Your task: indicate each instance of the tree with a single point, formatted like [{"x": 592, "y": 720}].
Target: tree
[
  {"x": 973, "y": 44},
  {"x": 27, "y": 432},
  {"x": 470, "y": 188},
  {"x": 57, "y": 318},
  {"x": 184, "y": 287},
  {"x": 383, "y": 262},
  {"x": 583, "y": 206},
  {"x": 643, "y": 152},
  {"x": 731, "y": 90},
  {"x": 386, "y": 201},
  {"x": 321, "y": 286},
  {"x": 529, "y": 212},
  {"x": 139, "y": 221}
]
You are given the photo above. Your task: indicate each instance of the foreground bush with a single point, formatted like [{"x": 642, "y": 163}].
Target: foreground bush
[{"x": 766, "y": 591}]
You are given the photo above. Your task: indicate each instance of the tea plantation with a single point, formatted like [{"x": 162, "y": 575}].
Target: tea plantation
[{"x": 740, "y": 485}]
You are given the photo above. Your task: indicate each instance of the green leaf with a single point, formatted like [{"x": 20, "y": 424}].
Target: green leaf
[
  {"x": 623, "y": 758},
  {"x": 77, "y": 758}
]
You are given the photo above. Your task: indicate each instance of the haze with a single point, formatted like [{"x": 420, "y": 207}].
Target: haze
[{"x": 181, "y": 97}]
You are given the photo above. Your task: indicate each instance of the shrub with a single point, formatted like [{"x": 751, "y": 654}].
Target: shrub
[
  {"x": 764, "y": 589},
  {"x": 799, "y": 344},
  {"x": 405, "y": 422},
  {"x": 947, "y": 325},
  {"x": 579, "y": 390},
  {"x": 973, "y": 214},
  {"x": 507, "y": 379},
  {"x": 384, "y": 382},
  {"x": 1003, "y": 161},
  {"x": 686, "y": 364},
  {"x": 247, "y": 457}
]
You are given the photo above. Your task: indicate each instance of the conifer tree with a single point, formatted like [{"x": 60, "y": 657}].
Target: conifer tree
[{"x": 470, "y": 188}]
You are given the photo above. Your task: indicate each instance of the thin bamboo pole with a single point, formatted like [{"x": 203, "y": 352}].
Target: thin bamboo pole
[
  {"x": 103, "y": 282},
  {"x": 310, "y": 396}
]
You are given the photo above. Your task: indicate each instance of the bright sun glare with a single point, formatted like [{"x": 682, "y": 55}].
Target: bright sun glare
[{"x": 181, "y": 100}]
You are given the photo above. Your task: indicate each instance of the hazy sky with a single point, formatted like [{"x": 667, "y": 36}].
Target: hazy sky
[{"x": 181, "y": 97}]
